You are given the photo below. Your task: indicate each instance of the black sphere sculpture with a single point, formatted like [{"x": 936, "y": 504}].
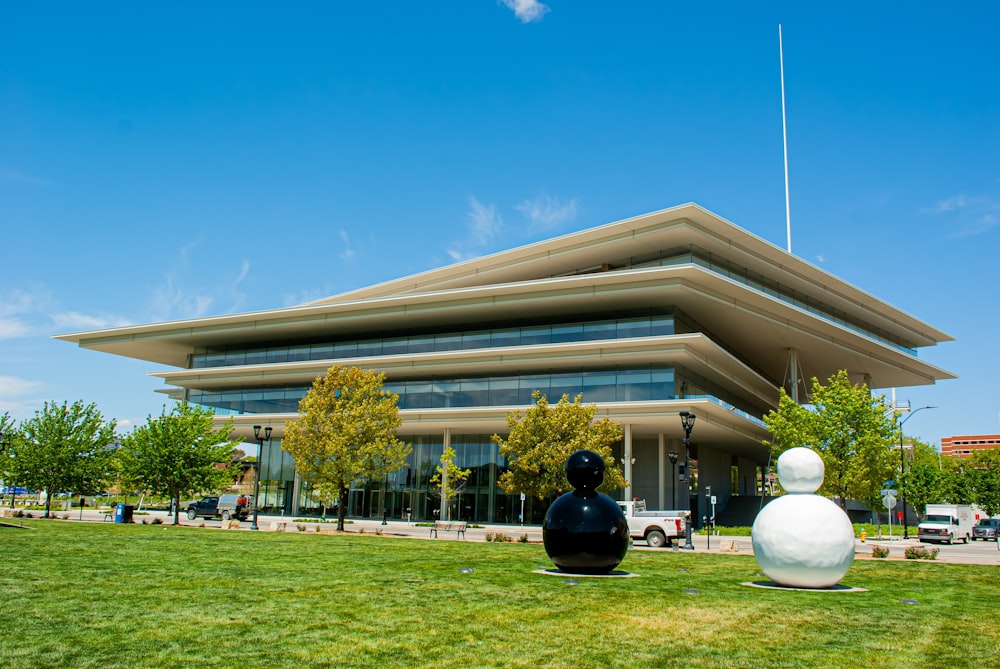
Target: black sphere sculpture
[{"x": 585, "y": 532}]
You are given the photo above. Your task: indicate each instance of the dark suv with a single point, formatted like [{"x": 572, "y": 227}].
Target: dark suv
[
  {"x": 986, "y": 529},
  {"x": 206, "y": 507},
  {"x": 230, "y": 505}
]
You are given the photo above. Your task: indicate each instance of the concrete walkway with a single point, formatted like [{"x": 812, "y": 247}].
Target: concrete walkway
[{"x": 979, "y": 552}]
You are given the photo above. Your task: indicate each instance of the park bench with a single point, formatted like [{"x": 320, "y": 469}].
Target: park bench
[
  {"x": 107, "y": 512},
  {"x": 458, "y": 527}
]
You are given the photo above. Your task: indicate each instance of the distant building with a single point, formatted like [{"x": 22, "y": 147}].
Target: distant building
[
  {"x": 676, "y": 310},
  {"x": 964, "y": 445}
]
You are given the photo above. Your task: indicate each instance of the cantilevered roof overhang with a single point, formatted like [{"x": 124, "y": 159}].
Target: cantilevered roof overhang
[{"x": 759, "y": 327}]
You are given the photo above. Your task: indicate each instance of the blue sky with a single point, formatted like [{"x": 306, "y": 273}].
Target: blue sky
[{"x": 161, "y": 161}]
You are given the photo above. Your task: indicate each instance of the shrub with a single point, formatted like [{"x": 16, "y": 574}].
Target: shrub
[
  {"x": 499, "y": 538},
  {"x": 921, "y": 553},
  {"x": 156, "y": 521},
  {"x": 489, "y": 536},
  {"x": 880, "y": 552},
  {"x": 523, "y": 539},
  {"x": 300, "y": 527}
]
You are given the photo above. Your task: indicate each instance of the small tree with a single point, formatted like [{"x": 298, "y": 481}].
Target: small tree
[
  {"x": 852, "y": 432},
  {"x": 346, "y": 432},
  {"x": 179, "y": 453},
  {"x": 450, "y": 477},
  {"x": 64, "y": 447},
  {"x": 8, "y": 435},
  {"x": 542, "y": 438}
]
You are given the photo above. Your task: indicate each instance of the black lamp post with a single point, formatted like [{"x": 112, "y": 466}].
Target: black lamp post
[
  {"x": 902, "y": 469},
  {"x": 687, "y": 422},
  {"x": 673, "y": 478},
  {"x": 256, "y": 478}
]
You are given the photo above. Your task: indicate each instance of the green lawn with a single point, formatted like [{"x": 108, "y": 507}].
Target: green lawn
[{"x": 103, "y": 595}]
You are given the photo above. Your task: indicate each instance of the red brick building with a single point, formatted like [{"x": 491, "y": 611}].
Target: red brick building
[{"x": 963, "y": 445}]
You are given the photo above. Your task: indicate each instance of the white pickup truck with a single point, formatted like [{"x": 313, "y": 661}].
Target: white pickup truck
[{"x": 658, "y": 528}]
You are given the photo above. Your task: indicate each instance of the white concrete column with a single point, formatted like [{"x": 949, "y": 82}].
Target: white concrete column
[
  {"x": 627, "y": 465},
  {"x": 296, "y": 489},
  {"x": 661, "y": 469}
]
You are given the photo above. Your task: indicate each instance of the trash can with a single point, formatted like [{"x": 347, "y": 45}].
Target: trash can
[{"x": 123, "y": 513}]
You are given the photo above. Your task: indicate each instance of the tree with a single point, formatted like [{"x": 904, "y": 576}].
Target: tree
[
  {"x": 450, "y": 477},
  {"x": 923, "y": 480},
  {"x": 540, "y": 440},
  {"x": 851, "y": 431},
  {"x": 984, "y": 467},
  {"x": 67, "y": 447},
  {"x": 346, "y": 432},
  {"x": 8, "y": 435},
  {"x": 179, "y": 453}
]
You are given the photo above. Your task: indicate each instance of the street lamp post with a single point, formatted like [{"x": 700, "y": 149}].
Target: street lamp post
[
  {"x": 673, "y": 478},
  {"x": 256, "y": 478},
  {"x": 902, "y": 470},
  {"x": 687, "y": 423}
]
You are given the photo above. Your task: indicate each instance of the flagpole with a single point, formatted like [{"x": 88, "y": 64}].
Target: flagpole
[{"x": 784, "y": 137}]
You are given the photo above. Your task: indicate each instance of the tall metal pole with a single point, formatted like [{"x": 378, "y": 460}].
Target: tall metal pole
[
  {"x": 784, "y": 137},
  {"x": 902, "y": 471},
  {"x": 687, "y": 423},
  {"x": 256, "y": 478},
  {"x": 673, "y": 479}
]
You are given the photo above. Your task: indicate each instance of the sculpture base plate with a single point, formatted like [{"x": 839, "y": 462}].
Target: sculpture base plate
[
  {"x": 771, "y": 585},
  {"x": 559, "y": 572}
]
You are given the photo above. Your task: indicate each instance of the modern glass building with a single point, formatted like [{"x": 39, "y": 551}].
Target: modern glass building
[{"x": 676, "y": 310}]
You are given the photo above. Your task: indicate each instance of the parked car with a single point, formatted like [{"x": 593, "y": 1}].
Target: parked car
[
  {"x": 206, "y": 507},
  {"x": 986, "y": 529},
  {"x": 233, "y": 505},
  {"x": 230, "y": 505}
]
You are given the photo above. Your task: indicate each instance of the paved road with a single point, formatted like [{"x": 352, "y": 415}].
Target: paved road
[{"x": 976, "y": 552}]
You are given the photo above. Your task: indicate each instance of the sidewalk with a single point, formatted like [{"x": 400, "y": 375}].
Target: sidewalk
[{"x": 982, "y": 553}]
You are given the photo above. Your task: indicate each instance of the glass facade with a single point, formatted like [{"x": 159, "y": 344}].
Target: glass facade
[
  {"x": 549, "y": 333},
  {"x": 629, "y": 385},
  {"x": 407, "y": 493}
]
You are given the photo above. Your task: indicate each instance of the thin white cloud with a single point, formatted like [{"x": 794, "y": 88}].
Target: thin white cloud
[
  {"x": 13, "y": 176},
  {"x": 348, "y": 252},
  {"x": 74, "y": 321},
  {"x": 528, "y": 11},
  {"x": 21, "y": 312},
  {"x": 970, "y": 216},
  {"x": 546, "y": 212},
  {"x": 18, "y": 396},
  {"x": 485, "y": 226},
  {"x": 14, "y": 328},
  {"x": 170, "y": 302}
]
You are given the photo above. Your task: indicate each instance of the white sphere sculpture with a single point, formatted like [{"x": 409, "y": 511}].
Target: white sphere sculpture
[{"x": 802, "y": 540}]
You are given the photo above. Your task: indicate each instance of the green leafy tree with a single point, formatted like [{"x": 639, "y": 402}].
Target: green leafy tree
[
  {"x": 346, "y": 432},
  {"x": 984, "y": 467},
  {"x": 179, "y": 453},
  {"x": 450, "y": 477},
  {"x": 851, "y": 431},
  {"x": 957, "y": 485},
  {"x": 541, "y": 438},
  {"x": 923, "y": 481},
  {"x": 64, "y": 447},
  {"x": 8, "y": 435}
]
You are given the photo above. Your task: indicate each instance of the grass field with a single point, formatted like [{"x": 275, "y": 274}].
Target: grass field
[{"x": 102, "y": 595}]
